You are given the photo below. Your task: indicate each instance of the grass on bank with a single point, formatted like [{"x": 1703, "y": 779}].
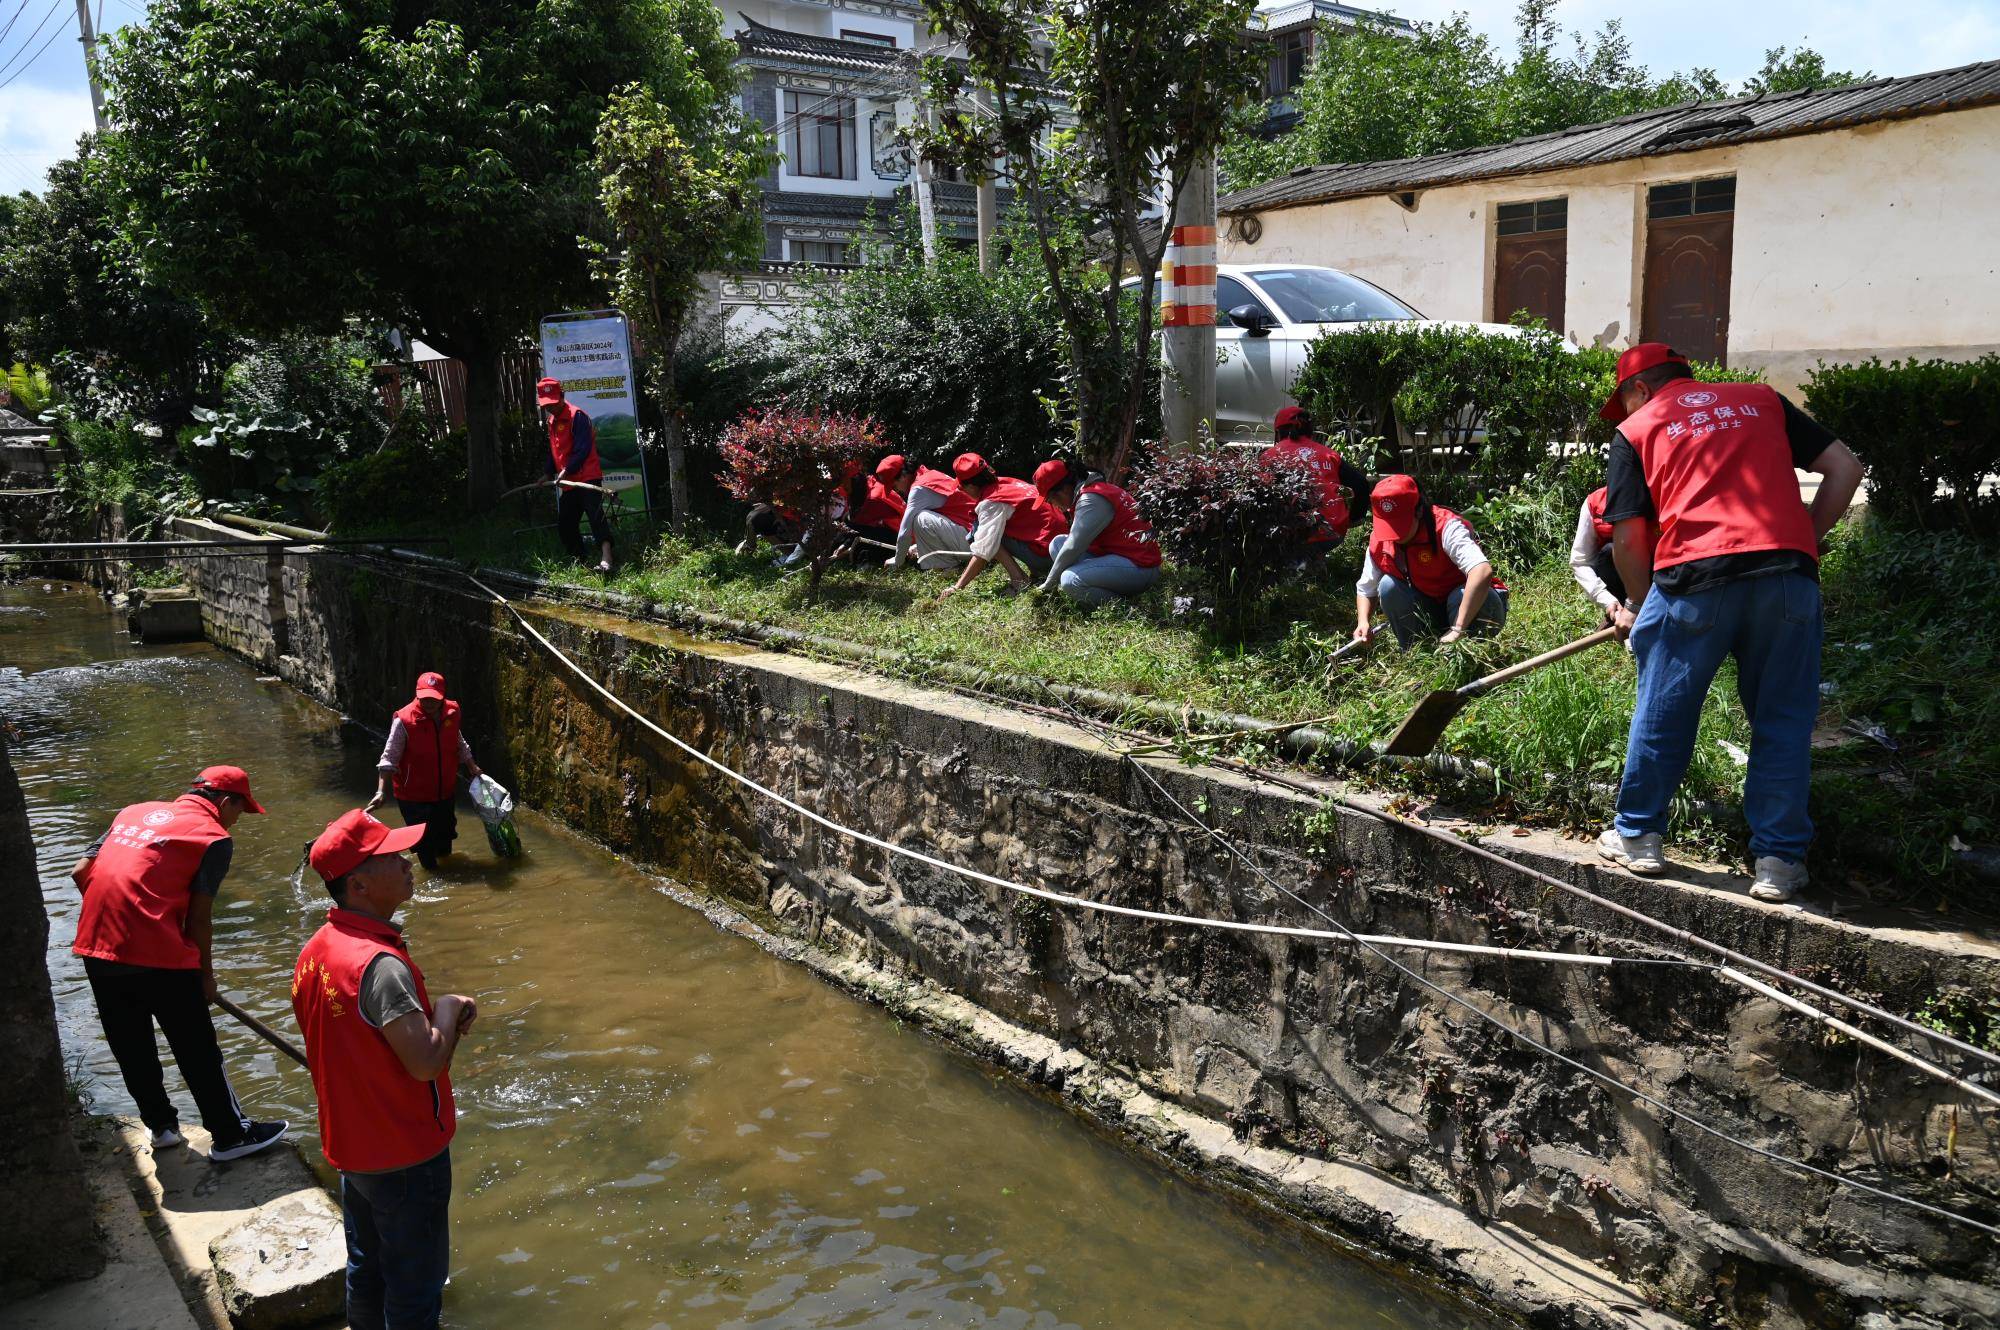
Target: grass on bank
[{"x": 1913, "y": 647}]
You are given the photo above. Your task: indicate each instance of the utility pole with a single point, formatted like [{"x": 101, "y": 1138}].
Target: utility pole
[
  {"x": 89, "y": 40},
  {"x": 985, "y": 195},
  {"x": 924, "y": 178},
  {"x": 1187, "y": 313}
]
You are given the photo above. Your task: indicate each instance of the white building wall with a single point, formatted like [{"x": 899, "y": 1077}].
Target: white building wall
[{"x": 1878, "y": 240}]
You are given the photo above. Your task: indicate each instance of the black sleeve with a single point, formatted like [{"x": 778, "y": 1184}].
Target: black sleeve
[
  {"x": 96, "y": 846},
  {"x": 1625, "y": 492},
  {"x": 1352, "y": 477},
  {"x": 1809, "y": 437},
  {"x": 214, "y": 867}
]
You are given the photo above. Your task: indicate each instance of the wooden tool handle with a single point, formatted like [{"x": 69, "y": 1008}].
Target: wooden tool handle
[{"x": 1478, "y": 686}]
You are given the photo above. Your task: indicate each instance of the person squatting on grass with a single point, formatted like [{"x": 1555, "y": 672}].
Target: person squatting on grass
[
  {"x": 937, "y": 515},
  {"x": 1297, "y": 441},
  {"x": 146, "y": 934},
  {"x": 1592, "y": 563},
  {"x": 1733, "y": 571},
  {"x": 874, "y": 513},
  {"x": 573, "y": 457},
  {"x": 1013, "y": 524},
  {"x": 1425, "y": 568},
  {"x": 1109, "y": 550},
  {"x": 421, "y": 759},
  {"x": 380, "y": 1055}
]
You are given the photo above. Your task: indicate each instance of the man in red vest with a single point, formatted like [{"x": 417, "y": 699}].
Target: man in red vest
[
  {"x": 1732, "y": 571},
  {"x": 573, "y": 457},
  {"x": 422, "y": 758},
  {"x": 146, "y": 934},
  {"x": 380, "y": 1053},
  {"x": 1297, "y": 441},
  {"x": 1425, "y": 568},
  {"x": 937, "y": 515},
  {"x": 1109, "y": 550},
  {"x": 1012, "y": 524}
]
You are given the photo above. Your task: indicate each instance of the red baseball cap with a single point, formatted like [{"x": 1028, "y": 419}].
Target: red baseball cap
[
  {"x": 353, "y": 838},
  {"x": 228, "y": 780},
  {"x": 890, "y": 467},
  {"x": 968, "y": 466},
  {"x": 1637, "y": 361},
  {"x": 548, "y": 392},
  {"x": 430, "y": 684},
  {"x": 1395, "y": 504},
  {"x": 1050, "y": 474},
  {"x": 1290, "y": 415}
]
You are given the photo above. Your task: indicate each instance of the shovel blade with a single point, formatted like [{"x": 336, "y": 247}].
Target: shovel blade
[{"x": 1420, "y": 732}]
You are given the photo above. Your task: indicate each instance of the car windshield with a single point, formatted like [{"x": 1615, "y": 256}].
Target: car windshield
[{"x": 1321, "y": 295}]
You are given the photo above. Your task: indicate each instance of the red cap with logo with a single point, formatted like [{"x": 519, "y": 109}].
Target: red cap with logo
[
  {"x": 890, "y": 467},
  {"x": 229, "y": 780},
  {"x": 548, "y": 392},
  {"x": 1289, "y": 416},
  {"x": 1050, "y": 474},
  {"x": 353, "y": 838},
  {"x": 1638, "y": 360},
  {"x": 968, "y": 467},
  {"x": 1394, "y": 502},
  {"x": 430, "y": 684}
]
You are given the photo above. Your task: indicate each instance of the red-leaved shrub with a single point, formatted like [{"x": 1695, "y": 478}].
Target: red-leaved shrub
[
  {"x": 800, "y": 461},
  {"x": 1232, "y": 516}
]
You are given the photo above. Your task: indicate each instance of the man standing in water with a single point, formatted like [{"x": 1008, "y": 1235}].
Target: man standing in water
[
  {"x": 149, "y": 887},
  {"x": 380, "y": 1053},
  {"x": 422, "y": 757}
]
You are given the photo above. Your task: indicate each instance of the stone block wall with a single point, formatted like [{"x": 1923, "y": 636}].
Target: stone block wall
[
  {"x": 242, "y": 598},
  {"x": 1304, "y": 1047}
]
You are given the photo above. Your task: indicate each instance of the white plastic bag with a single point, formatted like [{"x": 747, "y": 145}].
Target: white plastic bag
[{"x": 495, "y": 805}]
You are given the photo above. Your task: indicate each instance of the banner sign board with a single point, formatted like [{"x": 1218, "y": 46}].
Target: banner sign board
[{"x": 590, "y": 354}]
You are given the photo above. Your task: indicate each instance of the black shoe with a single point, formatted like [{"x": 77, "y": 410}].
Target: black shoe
[{"x": 260, "y": 1135}]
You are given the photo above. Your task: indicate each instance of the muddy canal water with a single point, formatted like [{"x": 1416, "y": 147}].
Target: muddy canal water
[{"x": 660, "y": 1124}]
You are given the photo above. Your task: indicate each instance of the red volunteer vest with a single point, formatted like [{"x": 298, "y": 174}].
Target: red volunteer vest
[
  {"x": 562, "y": 429},
  {"x": 136, "y": 891},
  {"x": 958, "y": 505},
  {"x": 1424, "y": 566},
  {"x": 1719, "y": 465},
  {"x": 1324, "y": 463},
  {"x": 373, "y": 1115},
  {"x": 1035, "y": 521},
  {"x": 1129, "y": 534},
  {"x": 881, "y": 507},
  {"x": 1598, "y": 498},
  {"x": 429, "y": 772}
]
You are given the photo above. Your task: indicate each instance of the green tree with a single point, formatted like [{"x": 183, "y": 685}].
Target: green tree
[
  {"x": 79, "y": 300},
  {"x": 426, "y": 163},
  {"x": 1092, "y": 104},
  {"x": 679, "y": 198},
  {"x": 1803, "y": 70}
]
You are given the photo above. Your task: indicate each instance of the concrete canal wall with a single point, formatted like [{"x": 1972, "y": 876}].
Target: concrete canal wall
[{"x": 1318, "y": 1080}]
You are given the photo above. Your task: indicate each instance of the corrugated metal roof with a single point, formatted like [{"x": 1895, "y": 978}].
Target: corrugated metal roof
[
  {"x": 777, "y": 44},
  {"x": 1646, "y": 134}
]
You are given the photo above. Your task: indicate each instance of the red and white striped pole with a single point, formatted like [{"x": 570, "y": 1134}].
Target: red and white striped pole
[{"x": 1187, "y": 314}]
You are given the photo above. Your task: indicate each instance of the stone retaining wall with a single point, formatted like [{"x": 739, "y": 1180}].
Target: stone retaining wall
[{"x": 1305, "y": 1053}]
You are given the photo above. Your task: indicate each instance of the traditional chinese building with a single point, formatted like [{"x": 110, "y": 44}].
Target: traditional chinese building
[{"x": 1768, "y": 232}]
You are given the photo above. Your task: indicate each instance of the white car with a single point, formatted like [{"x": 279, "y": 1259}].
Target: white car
[{"x": 1266, "y": 317}]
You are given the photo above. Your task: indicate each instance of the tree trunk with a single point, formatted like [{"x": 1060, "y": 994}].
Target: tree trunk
[
  {"x": 48, "y": 1228},
  {"x": 667, "y": 390},
  {"x": 483, "y": 477}
]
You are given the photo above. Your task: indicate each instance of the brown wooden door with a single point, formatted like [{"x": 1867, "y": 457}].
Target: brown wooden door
[
  {"x": 1529, "y": 273},
  {"x": 1686, "y": 302}
]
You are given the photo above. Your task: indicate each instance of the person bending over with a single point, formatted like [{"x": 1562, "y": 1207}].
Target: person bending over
[
  {"x": 1297, "y": 441},
  {"x": 1014, "y": 524},
  {"x": 937, "y": 515},
  {"x": 1109, "y": 550}
]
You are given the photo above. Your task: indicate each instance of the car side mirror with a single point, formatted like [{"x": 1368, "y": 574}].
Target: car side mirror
[{"x": 1253, "y": 319}]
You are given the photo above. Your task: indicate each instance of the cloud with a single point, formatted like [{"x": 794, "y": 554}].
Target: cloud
[{"x": 38, "y": 127}]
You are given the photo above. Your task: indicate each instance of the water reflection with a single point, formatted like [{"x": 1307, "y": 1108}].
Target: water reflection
[{"x": 661, "y": 1124}]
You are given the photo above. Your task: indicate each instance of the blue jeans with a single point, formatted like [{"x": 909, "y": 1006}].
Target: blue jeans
[
  {"x": 1771, "y": 625},
  {"x": 398, "y": 1246},
  {"x": 1412, "y": 613},
  {"x": 1094, "y": 580}
]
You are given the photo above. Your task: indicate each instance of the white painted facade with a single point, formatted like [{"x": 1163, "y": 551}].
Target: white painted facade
[{"x": 1880, "y": 239}]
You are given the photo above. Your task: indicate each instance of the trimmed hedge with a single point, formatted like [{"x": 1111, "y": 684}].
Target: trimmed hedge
[{"x": 1927, "y": 430}]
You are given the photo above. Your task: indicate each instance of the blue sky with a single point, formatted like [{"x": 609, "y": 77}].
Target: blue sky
[{"x": 44, "y": 104}]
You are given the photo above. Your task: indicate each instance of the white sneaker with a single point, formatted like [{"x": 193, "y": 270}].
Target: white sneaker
[
  {"x": 167, "y": 1138},
  {"x": 1641, "y": 854},
  {"x": 1777, "y": 880}
]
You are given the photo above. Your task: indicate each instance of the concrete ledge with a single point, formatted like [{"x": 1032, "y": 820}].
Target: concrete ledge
[{"x": 233, "y": 1233}]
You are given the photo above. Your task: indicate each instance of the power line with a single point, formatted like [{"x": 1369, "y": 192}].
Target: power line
[
  {"x": 33, "y": 58},
  {"x": 12, "y": 21},
  {"x": 30, "y": 38}
]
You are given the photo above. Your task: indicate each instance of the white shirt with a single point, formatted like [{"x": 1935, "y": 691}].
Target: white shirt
[
  {"x": 1459, "y": 547},
  {"x": 1582, "y": 551}
]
